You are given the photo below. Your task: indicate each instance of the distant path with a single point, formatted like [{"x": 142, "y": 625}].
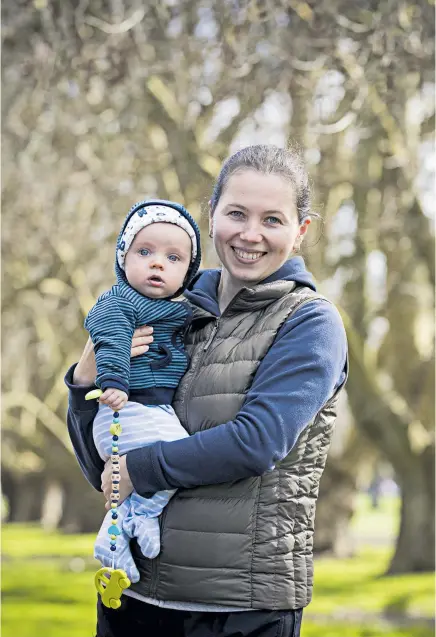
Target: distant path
[{"x": 391, "y": 620}]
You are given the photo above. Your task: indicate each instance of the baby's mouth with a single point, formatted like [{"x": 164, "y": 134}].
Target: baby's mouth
[{"x": 156, "y": 280}]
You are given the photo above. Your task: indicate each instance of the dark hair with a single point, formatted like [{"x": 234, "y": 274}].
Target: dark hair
[{"x": 267, "y": 159}]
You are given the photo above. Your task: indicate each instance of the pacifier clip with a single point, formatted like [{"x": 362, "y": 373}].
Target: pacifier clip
[{"x": 110, "y": 582}]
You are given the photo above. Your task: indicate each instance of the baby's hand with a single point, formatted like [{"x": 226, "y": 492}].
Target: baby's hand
[{"x": 114, "y": 398}]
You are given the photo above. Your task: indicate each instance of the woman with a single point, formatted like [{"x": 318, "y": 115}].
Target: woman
[{"x": 268, "y": 360}]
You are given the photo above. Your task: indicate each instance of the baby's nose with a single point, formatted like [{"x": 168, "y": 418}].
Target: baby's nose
[{"x": 157, "y": 264}]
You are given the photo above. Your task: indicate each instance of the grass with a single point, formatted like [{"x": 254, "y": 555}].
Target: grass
[
  {"x": 309, "y": 629},
  {"x": 355, "y": 592},
  {"x": 357, "y": 583},
  {"x": 47, "y": 584}
]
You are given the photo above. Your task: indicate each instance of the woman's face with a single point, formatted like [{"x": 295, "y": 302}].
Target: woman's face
[{"x": 255, "y": 225}]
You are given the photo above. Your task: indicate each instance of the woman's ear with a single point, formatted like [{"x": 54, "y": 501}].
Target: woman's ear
[
  {"x": 302, "y": 231},
  {"x": 305, "y": 226}
]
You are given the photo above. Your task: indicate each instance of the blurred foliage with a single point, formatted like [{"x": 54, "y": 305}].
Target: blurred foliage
[{"x": 108, "y": 102}]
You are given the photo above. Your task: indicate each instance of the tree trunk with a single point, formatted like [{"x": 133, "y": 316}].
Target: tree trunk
[
  {"x": 415, "y": 548},
  {"x": 83, "y": 510},
  {"x": 24, "y": 496},
  {"x": 52, "y": 506},
  {"x": 388, "y": 429}
]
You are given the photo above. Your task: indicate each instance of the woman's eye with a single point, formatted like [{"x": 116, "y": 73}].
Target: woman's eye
[
  {"x": 144, "y": 252},
  {"x": 273, "y": 220},
  {"x": 237, "y": 214},
  {"x": 174, "y": 258}
]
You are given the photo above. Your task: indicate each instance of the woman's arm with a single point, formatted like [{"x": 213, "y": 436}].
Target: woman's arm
[
  {"x": 86, "y": 369},
  {"x": 80, "y": 416},
  {"x": 300, "y": 372}
]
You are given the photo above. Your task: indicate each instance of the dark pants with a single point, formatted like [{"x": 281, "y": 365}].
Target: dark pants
[{"x": 137, "y": 619}]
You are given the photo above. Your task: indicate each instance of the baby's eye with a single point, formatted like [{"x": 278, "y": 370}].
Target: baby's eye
[
  {"x": 174, "y": 258},
  {"x": 144, "y": 252},
  {"x": 273, "y": 220}
]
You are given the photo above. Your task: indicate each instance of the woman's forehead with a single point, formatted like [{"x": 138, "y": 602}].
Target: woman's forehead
[{"x": 255, "y": 190}]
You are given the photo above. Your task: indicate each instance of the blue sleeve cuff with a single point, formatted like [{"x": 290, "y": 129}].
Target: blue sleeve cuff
[
  {"x": 115, "y": 382},
  {"x": 141, "y": 468}
]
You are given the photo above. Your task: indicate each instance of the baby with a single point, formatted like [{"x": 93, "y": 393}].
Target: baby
[{"x": 157, "y": 256}]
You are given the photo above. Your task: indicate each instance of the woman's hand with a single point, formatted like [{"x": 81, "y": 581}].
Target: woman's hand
[
  {"x": 125, "y": 486},
  {"x": 141, "y": 341},
  {"x": 86, "y": 370}
]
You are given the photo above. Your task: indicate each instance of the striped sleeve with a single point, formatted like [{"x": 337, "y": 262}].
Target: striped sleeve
[{"x": 111, "y": 323}]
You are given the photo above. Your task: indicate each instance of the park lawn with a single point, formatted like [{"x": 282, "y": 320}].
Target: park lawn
[
  {"x": 358, "y": 583},
  {"x": 44, "y": 598},
  {"x": 334, "y": 629},
  {"x": 47, "y": 584},
  {"x": 23, "y": 540}
]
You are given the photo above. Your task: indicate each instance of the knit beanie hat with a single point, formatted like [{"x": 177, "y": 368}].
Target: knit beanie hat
[{"x": 151, "y": 211}]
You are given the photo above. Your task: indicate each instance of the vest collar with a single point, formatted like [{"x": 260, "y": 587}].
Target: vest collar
[
  {"x": 259, "y": 296},
  {"x": 204, "y": 291},
  {"x": 249, "y": 299}
]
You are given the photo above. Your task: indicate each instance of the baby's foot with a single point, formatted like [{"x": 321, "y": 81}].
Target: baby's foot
[{"x": 147, "y": 533}]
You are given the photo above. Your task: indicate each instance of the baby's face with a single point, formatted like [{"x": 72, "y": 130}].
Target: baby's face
[{"x": 158, "y": 260}]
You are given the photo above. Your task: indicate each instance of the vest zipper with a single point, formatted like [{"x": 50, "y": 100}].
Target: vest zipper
[
  {"x": 199, "y": 361},
  {"x": 211, "y": 337},
  {"x": 205, "y": 348}
]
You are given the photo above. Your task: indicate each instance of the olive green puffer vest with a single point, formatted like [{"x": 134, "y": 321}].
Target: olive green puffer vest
[{"x": 246, "y": 543}]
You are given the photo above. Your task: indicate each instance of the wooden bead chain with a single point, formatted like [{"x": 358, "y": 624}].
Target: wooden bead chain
[
  {"x": 113, "y": 530},
  {"x": 111, "y": 582}
]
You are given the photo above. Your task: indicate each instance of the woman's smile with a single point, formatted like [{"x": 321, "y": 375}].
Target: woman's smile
[{"x": 247, "y": 256}]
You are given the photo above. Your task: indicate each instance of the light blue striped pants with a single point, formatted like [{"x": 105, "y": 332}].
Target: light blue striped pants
[{"x": 137, "y": 516}]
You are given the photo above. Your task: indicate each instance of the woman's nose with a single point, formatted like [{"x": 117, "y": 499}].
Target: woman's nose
[{"x": 251, "y": 233}]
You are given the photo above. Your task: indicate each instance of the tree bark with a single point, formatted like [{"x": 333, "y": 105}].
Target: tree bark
[
  {"x": 84, "y": 508},
  {"x": 415, "y": 548},
  {"x": 24, "y": 496}
]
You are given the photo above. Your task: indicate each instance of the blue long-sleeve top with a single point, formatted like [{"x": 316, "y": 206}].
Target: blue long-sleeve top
[
  {"x": 111, "y": 323},
  {"x": 305, "y": 365}
]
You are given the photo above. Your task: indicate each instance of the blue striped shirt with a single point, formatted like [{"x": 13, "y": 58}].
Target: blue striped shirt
[{"x": 111, "y": 323}]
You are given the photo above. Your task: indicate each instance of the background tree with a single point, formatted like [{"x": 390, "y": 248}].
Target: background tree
[{"x": 107, "y": 102}]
